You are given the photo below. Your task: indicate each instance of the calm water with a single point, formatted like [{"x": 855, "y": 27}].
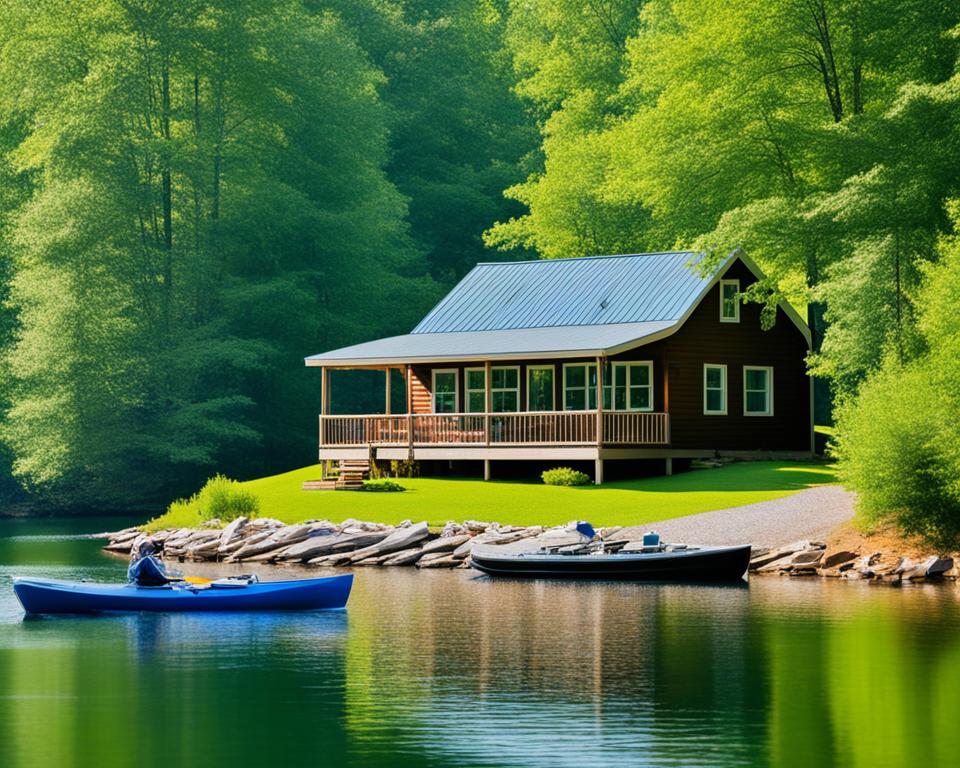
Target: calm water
[{"x": 447, "y": 668}]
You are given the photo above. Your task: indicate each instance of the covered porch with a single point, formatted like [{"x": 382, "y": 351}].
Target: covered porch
[{"x": 476, "y": 412}]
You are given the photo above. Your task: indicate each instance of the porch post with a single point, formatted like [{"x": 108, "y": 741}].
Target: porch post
[
  {"x": 409, "y": 413},
  {"x": 387, "y": 371},
  {"x": 487, "y": 401},
  {"x": 324, "y": 410},
  {"x": 598, "y": 469}
]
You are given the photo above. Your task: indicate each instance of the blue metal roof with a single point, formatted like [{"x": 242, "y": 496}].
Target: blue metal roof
[
  {"x": 515, "y": 343},
  {"x": 597, "y": 290}
]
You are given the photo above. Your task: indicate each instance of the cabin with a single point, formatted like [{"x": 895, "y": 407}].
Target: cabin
[{"x": 631, "y": 358}]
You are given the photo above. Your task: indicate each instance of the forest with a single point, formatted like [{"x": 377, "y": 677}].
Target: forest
[{"x": 196, "y": 194}]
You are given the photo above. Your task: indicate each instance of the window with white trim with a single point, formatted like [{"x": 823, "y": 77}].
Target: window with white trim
[
  {"x": 628, "y": 386},
  {"x": 540, "y": 387},
  {"x": 714, "y": 389},
  {"x": 445, "y": 390},
  {"x": 579, "y": 386},
  {"x": 505, "y": 389},
  {"x": 475, "y": 390},
  {"x": 729, "y": 301},
  {"x": 757, "y": 390}
]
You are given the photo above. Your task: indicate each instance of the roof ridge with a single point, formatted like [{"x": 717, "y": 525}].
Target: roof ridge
[{"x": 586, "y": 258}]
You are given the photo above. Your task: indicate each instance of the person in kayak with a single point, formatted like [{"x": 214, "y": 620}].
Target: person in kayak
[{"x": 146, "y": 570}]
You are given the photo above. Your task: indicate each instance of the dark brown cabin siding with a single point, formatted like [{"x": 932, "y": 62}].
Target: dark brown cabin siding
[{"x": 678, "y": 374}]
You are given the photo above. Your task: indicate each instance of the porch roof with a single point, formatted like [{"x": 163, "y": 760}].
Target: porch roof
[{"x": 511, "y": 344}]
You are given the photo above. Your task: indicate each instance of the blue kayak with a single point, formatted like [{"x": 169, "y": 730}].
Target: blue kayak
[{"x": 50, "y": 596}]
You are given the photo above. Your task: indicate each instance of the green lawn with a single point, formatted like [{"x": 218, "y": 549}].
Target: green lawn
[{"x": 632, "y": 502}]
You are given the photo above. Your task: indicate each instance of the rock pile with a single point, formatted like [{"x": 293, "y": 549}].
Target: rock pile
[
  {"x": 812, "y": 558},
  {"x": 350, "y": 543}
]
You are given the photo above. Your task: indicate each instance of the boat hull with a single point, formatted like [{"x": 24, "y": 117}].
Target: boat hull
[
  {"x": 707, "y": 564},
  {"x": 49, "y": 596}
]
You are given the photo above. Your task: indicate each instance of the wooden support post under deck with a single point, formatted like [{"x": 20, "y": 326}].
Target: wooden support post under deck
[
  {"x": 598, "y": 472},
  {"x": 486, "y": 469},
  {"x": 410, "y": 413},
  {"x": 669, "y": 461},
  {"x": 387, "y": 392},
  {"x": 487, "y": 401}
]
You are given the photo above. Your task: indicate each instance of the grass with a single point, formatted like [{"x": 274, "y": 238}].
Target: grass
[{"x": 437, "y": 500}]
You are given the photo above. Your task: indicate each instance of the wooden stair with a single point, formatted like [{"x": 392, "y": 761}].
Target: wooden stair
[{"x": 350, "y": 474}]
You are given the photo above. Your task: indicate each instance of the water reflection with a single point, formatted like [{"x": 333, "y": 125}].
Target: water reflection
[{"x": 446, "y": 668}]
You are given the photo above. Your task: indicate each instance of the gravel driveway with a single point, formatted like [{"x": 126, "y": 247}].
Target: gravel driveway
[{"x": 810, "y": 514}]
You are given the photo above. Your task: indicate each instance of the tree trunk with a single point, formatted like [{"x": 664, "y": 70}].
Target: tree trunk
[{"x": 166, "y": 191}]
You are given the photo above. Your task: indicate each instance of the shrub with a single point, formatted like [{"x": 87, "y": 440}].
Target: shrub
[
  {"x": 226, "y": 500},
  {"x": 382, "y": 486},
  {"x": 897, "y": 448},
  {"x": 564, "y": 476},
  {"x": 220, "y": 498}
]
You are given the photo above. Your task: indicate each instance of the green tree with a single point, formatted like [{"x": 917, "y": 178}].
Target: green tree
[{"x": 207, "y": 202}]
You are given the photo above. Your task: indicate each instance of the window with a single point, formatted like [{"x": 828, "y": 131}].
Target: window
[
  {"x": 475, "y": 399},
  {"x": 445, "y": 391},
  {"x": 757, "y": 390},
  {"x": 631, "y": 387},
  {"x": 505, "y": 389},
  {"x": 579, "y": 386},
  {"x": 540, "y": 388},
  {"x": 714, "y": 389},
  {"x": 729, "y": 301}
]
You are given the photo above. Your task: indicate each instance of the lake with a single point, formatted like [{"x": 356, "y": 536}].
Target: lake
[{"x": 453, "y": 669}]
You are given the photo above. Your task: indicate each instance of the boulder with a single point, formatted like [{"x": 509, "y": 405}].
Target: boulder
[
  {"x": 331, "y": 560},
  {"x": 404, "y": 556},
  {"x": 438, "y": 560},
  {"x": 808, "y": 559},
  {"x": 938, "y": 567},
  {"x": 349, "y": 542},
  {"x": 232, "y": 532},
  {"x": 836, "y": 559},
  {"x": 444, "y": 544},
  {"x": 401, "y": 538},
  {"x": 315, "y": 545},
  {"x": 782, "y": 564}
]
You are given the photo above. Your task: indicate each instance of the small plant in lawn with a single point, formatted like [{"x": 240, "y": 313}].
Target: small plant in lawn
[
  {"x": 382, "y": 486},
  {"x": 564, "y": 476}
]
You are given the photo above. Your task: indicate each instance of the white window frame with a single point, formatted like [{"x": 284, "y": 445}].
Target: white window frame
[
  {"x": 456, "y": 387},
  {"x": 467, "y": 391},
  {"x": 553, "y": 383},
  {"x": 723, "y": 390},
  {"x": 586, "y": 385},
  {"x": 736, "y": 305},
  {"x": 516, "y": 389},
  {"x": 769, "y": 370},
  {"x": 648, "y": 364}
]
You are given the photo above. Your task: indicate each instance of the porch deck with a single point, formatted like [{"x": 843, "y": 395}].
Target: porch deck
[{"x": 507, "y": 430}]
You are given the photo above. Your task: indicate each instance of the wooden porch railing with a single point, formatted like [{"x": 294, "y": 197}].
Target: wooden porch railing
[{"x": 504, "y": 429}]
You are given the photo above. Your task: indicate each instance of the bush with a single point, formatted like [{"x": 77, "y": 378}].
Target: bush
[
  {"x": 564, "y": 476},
  {"x": 220, "y": 498},
  {"x": 897, "y": 448},
  {"x": 382, "y": 486}
]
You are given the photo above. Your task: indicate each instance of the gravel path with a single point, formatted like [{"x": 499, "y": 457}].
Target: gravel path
[{"x": 810, "y": 514}]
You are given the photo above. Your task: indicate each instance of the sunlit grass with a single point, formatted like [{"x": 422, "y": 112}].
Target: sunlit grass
[{"x": 630, "y": 502}]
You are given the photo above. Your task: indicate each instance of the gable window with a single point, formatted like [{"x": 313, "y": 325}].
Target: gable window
[
  {"x": 505, "y": 389},
  {"x": 579, "y": 386},
  {"x": 474, "y": 381},
  {"x": 629, "y": 387},
  {"x": 714, "y": 389},
  {"x": 445, "y": 390},
  {"x": 729, "y": 301},
  {"x": 540, "y": 388},
  {"x": 757, "y": 390}
]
